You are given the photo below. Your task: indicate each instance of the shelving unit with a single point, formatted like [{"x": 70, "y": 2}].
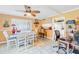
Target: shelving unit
[
  {"x": 20, "y": 41},
  {"x": 3, "y": 42},
  {"x": 12, "y": 42},
  {"x": 25, "y": 40},
  {"x": 30, "y": 39}
]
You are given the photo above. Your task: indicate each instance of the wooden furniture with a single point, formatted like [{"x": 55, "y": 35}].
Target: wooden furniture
[{"x": 2, "y": 38}]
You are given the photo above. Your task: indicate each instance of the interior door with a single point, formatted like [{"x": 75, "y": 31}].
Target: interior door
[{"x": 60, "y": 26}]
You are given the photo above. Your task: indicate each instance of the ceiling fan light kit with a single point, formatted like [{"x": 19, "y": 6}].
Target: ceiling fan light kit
[
  {"x": 25, "y": 14},
  {"x": 28, "y": 10}
]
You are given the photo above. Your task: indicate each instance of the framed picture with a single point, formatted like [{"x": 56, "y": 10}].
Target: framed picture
[{"x": 70, "y": 22}]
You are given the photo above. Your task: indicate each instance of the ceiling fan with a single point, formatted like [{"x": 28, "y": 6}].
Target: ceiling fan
[{"x": 29, "y": 10}]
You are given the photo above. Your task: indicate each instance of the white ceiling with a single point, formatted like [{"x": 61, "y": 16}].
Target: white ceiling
[{"x": 45, "y": 10}]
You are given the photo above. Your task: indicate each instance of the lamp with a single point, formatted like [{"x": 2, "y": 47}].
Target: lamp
[{"x": 6, "y": 24}]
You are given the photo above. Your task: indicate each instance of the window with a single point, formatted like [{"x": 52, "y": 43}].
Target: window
[{"x": 23, "y": 25}]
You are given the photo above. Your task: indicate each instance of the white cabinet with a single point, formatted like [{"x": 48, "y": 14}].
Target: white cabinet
[
  {"x": 12, "y": 43},
  {"x": 25, "y": 40},
  {"x": 20, "y": 41},
  {"x": 30, "y": 39}
]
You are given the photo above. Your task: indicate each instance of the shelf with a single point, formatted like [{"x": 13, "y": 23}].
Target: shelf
[{"x": 3, "y": 42}]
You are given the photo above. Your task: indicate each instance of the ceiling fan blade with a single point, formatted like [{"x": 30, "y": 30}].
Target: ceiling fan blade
[
  {"x": 27, "y": 8},
  {"x": 20, "y": 10},
  {"x": 33, "y": 14},
  {"x": 36, "y": 11},
  {"x": 24, "y": 11},
  {"x": 25, "y": 14}
]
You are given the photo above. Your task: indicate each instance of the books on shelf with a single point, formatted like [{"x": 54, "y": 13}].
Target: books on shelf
[{"x": 12, "y": 42}]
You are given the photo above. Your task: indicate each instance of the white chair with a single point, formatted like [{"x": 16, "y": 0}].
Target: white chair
[
  {"x": 11, "y": 40},
  {"x": 7, "y": 37}
]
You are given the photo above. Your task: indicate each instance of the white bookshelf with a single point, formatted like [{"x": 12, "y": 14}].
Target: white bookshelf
[
  {"x": 20, "y": 41},
  {"x": 30, "y": 39},
  {"x": 25, "y": 40},
  {"x": 12, "y": 43}
]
